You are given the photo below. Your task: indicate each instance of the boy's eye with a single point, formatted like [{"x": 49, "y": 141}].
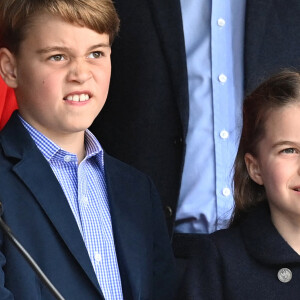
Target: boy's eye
[
  {"x": 57, "y": 57},
  {"x": 289, "y": 150},
  {"x": 95, "y": 54}
]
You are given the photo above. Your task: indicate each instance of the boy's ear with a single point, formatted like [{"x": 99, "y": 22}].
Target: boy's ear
[
  {"x": 253, "y": 168},
  {"x": 8, "y": 67}
]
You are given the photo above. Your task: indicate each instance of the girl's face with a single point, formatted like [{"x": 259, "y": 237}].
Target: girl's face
[{"x": 277, "y": 164}]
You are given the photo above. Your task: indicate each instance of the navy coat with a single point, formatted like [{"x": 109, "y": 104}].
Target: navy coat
[
  {"x": 243, "y": 263},
  {"x": 36, "y": 210}
]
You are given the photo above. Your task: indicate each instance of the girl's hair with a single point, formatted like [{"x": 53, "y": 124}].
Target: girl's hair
[
  {"x": 17, "y": 15},
  {"x": 278, "y": 91}
]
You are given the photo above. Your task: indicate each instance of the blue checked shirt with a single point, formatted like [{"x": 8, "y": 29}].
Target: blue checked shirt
[{"x": 85, "y": 189}]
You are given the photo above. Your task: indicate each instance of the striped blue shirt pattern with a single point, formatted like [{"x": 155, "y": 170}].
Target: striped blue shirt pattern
[{"x": 85, "y": 189}]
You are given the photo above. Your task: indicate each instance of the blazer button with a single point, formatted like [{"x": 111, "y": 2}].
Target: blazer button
[
  {"x": 168, "y": 211},
  {"x": 178, "y": 141},
  {"x": 284, "y": 275}
]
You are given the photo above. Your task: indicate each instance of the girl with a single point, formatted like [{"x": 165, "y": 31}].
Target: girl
[{"x": 258, "y": 256}]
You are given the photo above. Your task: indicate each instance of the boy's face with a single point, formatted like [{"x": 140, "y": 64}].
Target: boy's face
[{"x": 62, "y": 76}]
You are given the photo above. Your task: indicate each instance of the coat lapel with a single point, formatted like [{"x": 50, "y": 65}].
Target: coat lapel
[
  {"x": 37, "y": 175},
  {"x": 263, "y": 241},
  {"x": 168, "y": 20}
]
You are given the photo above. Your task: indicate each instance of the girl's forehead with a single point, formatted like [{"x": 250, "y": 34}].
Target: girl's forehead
[
  {"x": 276, "y": 112},
  {"x": 283, "y": 122}
]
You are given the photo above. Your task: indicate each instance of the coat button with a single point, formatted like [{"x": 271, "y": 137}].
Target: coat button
[{"x": 284, "y": 275}]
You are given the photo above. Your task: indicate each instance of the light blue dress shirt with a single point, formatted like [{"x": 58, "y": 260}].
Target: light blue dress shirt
[
  {"x": 85, "y": 189},
  {"x": 214, "y": 40}
]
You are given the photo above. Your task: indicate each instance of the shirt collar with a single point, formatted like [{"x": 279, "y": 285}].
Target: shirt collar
[{"x": 50, "y": 150}]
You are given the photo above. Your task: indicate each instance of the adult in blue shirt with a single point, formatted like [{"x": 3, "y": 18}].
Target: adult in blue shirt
[{"x": 180, "y": 71}]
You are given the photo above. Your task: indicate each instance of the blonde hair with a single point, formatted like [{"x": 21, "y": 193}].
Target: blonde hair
[{"x": 17, "y": 15}]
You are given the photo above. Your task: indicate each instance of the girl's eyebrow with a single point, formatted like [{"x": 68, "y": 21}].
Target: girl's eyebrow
[
  {"x": 67, "y": 49},
  {"x": 282, "y": 143}
]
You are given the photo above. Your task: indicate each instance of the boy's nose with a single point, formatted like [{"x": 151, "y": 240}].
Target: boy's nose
[{"x": 79, "y": 72}]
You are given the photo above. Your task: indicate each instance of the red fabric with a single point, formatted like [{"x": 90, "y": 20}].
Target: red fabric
[{"x": 7, "y": 102}]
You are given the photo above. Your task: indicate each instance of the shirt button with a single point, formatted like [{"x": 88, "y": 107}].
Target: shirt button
[
  {"x": 226, "y": 192},
  {"x": 67, "y": 158},
  {"x": 284, "y": 275},
  {"x": 221, "y": 22},
  {"x": 97, "y": 257},
  {"x": 85, "y": 200},
  {"x": 224, "y": 134},
  {"x": 222, "y": 78}
]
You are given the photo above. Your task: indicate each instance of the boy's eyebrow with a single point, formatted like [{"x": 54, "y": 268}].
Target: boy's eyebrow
[{"x": 66, "y": 49}]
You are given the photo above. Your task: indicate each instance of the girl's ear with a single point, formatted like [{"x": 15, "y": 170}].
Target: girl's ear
[
  {"x": 8, "y": 70},
  {"x": 253, "y": 168}
]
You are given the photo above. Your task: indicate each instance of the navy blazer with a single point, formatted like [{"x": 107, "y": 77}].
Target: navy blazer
[
  {"x": 145, "y": 119},
  {"x": 37, "y": 211},
  {"x": 243, "y": 263}
]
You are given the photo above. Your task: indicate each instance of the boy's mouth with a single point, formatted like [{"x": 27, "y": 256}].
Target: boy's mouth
[{"x": 78, "y": 97}]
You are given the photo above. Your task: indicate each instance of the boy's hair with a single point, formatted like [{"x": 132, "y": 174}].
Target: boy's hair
[
  {"x": 278, "y": 91},
  {"x": 17, "y": 15}
]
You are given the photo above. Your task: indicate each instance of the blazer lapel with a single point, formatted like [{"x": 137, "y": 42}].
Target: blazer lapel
[
  {"x": 129, "y": 242},
  {"x": 168, "y": 20},
  {"x": 37, "y": 175}
]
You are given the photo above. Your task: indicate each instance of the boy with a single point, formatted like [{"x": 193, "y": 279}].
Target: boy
[{"x": 92, "y": 223}]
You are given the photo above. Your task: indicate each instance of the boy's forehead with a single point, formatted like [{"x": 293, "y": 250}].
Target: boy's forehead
[
  {"x": 42, "y": 21},
  {"x": 46, "y": 30}
]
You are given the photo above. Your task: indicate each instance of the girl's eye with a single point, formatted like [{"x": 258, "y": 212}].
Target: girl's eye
[
  {"x": 289, "y": 150},
  {"x": 57, "y": 57},
  {"x": 95, "y": 54}
]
